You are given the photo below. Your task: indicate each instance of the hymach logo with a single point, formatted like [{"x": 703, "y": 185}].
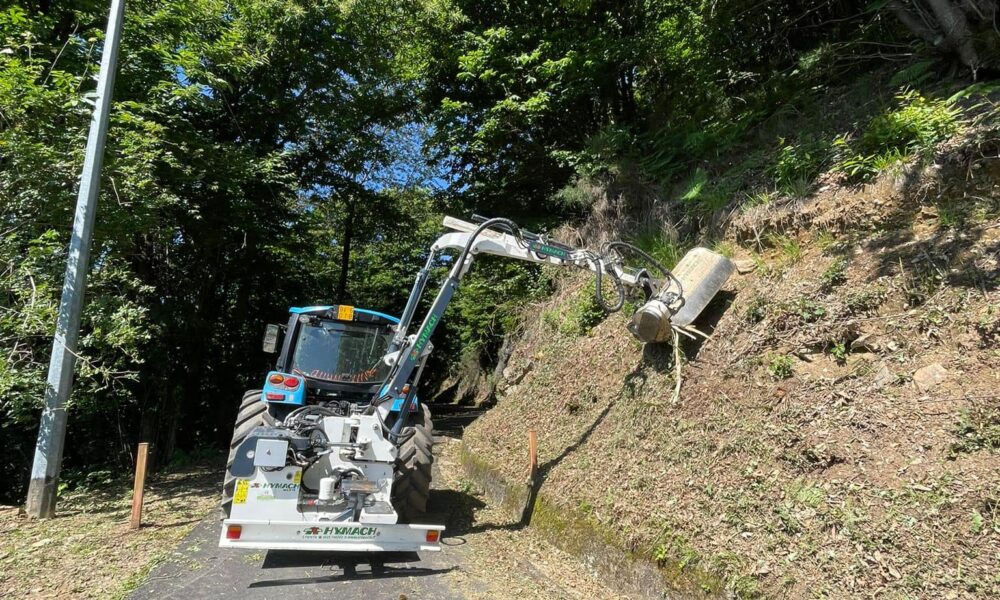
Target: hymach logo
[
  {"x": 282, "y": 487},
  {"x": 340, "y": 533}
]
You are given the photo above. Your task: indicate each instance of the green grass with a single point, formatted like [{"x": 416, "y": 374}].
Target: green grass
[
  {"x": 797, "y": 165},
  {"x": 666, "y": 251},
  {"x": 791, "y": 251},
  {"x": 758, "y": 198}
]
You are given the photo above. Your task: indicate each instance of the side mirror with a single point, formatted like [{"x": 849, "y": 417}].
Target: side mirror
[{"x": 271, "y": 338}]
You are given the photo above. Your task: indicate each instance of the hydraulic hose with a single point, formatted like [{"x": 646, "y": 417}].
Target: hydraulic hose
[{"x": 610, "y": 246}]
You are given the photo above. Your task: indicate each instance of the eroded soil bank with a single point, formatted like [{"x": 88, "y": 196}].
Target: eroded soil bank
[{"x": 837, "y": 436}]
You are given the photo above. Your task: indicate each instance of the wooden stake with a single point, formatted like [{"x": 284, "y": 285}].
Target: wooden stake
[
  {"x": 138, "y": 487},
  {"x": 530, "y": 486},
  {"x": 532, "y": 456}
]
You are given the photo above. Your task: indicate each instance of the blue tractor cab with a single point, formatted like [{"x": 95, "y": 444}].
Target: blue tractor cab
[{"x": 329, "y": 355}]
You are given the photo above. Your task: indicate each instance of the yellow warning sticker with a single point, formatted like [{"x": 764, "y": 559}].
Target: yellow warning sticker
[
  {"x": 345, "y": 313},
  {"x": 297, "y": 479},
  {"x": 242, "y": 488}
]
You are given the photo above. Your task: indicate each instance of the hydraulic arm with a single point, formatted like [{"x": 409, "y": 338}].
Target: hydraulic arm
[
  {"x": 335, "y": 453},
  {"x": 502, "y": 237}
]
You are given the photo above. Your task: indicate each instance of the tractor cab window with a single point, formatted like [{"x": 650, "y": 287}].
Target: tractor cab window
[{"x": 341, "y": 352}]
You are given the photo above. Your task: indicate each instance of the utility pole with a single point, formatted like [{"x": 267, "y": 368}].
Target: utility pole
[{"x": 41, "y": 501}]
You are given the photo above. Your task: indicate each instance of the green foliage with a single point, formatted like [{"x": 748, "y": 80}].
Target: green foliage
[
  {"x": 835, "y": 274},
  {"x": 758, "y": 198},
  {"x": 838, "y": 350},
  {"x": 866, "y": 299},
  {"x": 577, "y": 316},
  {"x": 791, "y": 250},
  {"x": 487, "y": 306},
  {"x": 661, "y": 247},
  {"x": 780, "y": 366},
  {"x": 978, "y": 428},
  {"x": 798, "y": 165},
  {"x": 807, "y": 310},
  {"x": 240, "y": 135},
  {"x": 916, "y": 125},
  {"x": 757, "y": 310}
]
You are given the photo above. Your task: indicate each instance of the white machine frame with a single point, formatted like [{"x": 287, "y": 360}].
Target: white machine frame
[{"x": 266, "y": 512}]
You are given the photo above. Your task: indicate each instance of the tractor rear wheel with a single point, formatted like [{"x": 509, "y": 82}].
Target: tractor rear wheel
[
  {"x": 253, "y": 413},
  {"x": 411, "y": 484}
]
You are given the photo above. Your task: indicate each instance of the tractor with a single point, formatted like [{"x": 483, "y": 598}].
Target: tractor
[{"x": 335, "y": 451}]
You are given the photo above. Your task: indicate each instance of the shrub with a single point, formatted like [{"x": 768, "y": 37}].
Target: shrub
[
  {"x": 835, "y": 274},
  {"x": 798, "y": 165},
  {"x": 756, "y": 311},
  {"x": 580, "y": 315},
  {"x": 780, "y": 366},
  {"x": 838, "y": 350},
  {"x": 915, "y": 126}
]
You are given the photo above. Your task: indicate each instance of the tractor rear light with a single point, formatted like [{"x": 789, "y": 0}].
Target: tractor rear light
[
  {"x": 275, "y": 397},
  {"x": 406, "y": 389},
  {"x": 433, "y": 536},
  {"x": 233, "y": 532},
  {"x": 276, "y": 379},
  {"x": 291, "y": 382}
]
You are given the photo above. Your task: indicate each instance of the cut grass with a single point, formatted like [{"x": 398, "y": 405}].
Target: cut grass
[{"x": 88, "y": 550}]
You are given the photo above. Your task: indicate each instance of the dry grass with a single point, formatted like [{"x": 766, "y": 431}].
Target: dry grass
[{"x": 88, "y": 550}]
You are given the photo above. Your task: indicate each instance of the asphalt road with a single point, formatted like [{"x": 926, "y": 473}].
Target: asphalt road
[{"x": 199, "y": 569}]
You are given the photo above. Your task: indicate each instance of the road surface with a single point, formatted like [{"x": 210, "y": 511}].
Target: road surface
[{"x": 485, "y": 555}]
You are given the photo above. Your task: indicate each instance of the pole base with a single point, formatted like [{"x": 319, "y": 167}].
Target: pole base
[{"x": 41, "y": 502}]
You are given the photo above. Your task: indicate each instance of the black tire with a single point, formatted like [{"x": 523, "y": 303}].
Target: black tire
[
  {"x": 411, "y": 482},
  {"x": 253, "y": 413}
]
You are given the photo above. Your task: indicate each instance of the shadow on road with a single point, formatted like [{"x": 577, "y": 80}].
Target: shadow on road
[{"x": 352, "y": 566}]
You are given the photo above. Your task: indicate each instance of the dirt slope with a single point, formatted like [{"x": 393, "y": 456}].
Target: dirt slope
[{"x": 837, "y": 437}]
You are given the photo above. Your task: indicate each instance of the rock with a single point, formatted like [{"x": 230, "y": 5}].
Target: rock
[
  {"x": 930, "y": 376},
  {"x": 745, "y": 266},
  {"x": 516, "y": 375},
  {"x": 884, "y": 377},
  {"x": 865, "y": 343}
]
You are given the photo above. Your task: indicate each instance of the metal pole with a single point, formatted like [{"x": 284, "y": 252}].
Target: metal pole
[{"x": 41, "y": 501}]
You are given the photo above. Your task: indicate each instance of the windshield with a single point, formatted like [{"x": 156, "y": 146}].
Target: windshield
[{"x": 344, "y": 352}]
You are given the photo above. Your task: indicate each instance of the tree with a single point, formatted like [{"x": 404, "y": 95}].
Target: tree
[
  {"x": 229, "y": 117},
  {"x": 964, "y": 29}
]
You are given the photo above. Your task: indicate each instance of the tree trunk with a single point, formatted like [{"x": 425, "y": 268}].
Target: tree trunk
[
  {"x": 956, "y": 31},
  {"x": 345, "y": 255},
  {"x": 913, "y": 22},
  {"x": 963, "y": 28}
]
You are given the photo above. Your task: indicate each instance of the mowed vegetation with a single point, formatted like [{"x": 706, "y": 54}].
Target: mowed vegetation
[{"x": 268, "y": 153}]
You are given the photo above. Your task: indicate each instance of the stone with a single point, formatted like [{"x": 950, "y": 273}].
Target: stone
[
  {"x": 745, "y": 266},
  {"x": 884, "y": 377},
  {"x": 865, "y": 343},
  {"x": 930, "y": 376}
]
